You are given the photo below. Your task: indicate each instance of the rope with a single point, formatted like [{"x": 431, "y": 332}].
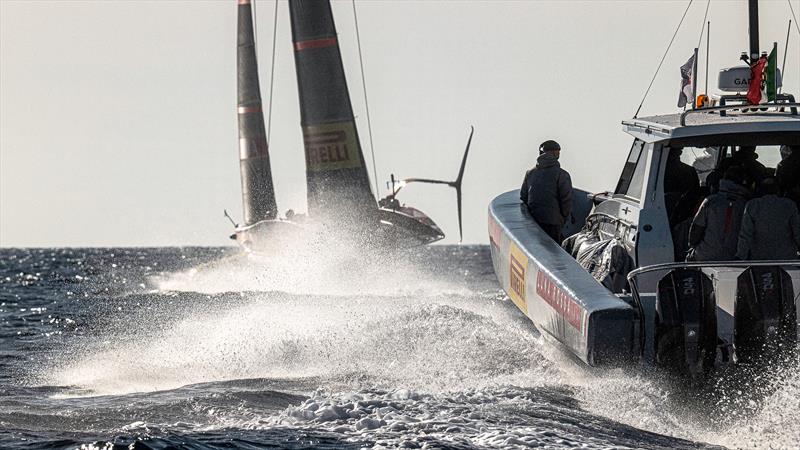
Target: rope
[
  {"x": 366, "y": 102},
  {"x": 703, "y": 28},
  {"x": 255, "y": 28},
  {"x": 662, "y": 59},
  {"x": 272, "y": 69},
  {"x": 795, "y": 17}
]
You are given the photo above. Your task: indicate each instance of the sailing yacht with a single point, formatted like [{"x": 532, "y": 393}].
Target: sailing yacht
[{"x": 341, "y": 204}]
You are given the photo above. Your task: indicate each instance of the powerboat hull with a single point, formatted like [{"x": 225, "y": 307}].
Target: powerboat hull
[
  {"x": 698, "y": 317},
  {"x": 558, "y": 295}
]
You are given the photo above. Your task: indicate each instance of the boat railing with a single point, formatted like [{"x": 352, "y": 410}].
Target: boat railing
[
  {"x": 779, "y": 107},
  {"x": 710, "y": 264},
  {"x": 634, "y": 274}
]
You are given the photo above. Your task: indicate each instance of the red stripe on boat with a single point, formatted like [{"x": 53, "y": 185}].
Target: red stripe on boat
[
  {"x": 315, "y": 43},
  {"x": 560, "y": 300}
]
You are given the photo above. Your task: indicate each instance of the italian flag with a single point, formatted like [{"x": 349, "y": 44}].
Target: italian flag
[
  {"x": 763, "y": 79},
  {"x": 772, "y": 75}
]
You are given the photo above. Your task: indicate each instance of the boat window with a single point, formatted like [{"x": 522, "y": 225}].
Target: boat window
[
  {"x": 703, "y": 159},
  {"x": 631, "y": 181},
  {"x": 769, "y": 155}
]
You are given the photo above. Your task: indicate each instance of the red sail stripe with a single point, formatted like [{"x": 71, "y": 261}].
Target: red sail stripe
[
  {"x": 315, "y": 43},
  {"x": 249, "y": 109}
]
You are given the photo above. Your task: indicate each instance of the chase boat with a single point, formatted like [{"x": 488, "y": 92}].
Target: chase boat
[{"x": 633, "y": 301}]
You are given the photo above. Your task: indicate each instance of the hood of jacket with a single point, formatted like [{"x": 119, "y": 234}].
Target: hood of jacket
[
  {"x": 729, "y": 187},
  {"x": 547, "y": 159}
]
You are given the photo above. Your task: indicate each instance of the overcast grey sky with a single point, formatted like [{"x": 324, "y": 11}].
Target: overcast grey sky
[{"x": 118, "y": 123}]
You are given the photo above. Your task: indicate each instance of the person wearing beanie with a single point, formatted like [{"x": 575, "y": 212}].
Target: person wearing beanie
[{"x": 547, "y": 191}]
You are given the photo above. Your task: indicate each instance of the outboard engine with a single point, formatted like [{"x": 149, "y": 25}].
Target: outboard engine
[
  {"x": 686, "y": 324},
  {"x": 766, "y": 315}
]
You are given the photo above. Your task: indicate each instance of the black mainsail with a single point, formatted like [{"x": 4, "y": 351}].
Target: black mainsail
[
  {"x": 336, "y": 175},
  {"x": 339, "y": 194},
  {"x": 258, "y": 193}
]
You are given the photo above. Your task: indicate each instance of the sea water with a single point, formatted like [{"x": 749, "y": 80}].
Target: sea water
[{"x": 207, "y": 348}]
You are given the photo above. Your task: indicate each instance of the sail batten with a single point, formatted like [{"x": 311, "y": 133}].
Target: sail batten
[
  {"x": 336, "y": 174},
  {"x": 258, "y": 193}
]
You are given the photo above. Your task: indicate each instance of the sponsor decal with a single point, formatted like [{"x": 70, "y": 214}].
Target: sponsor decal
[
  {"x": 331, "y": 147},
  {"x": 517, "y": 268},
  {"x": 564, "y": 304}
]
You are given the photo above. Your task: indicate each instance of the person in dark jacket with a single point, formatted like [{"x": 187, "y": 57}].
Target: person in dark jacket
[
  {"x": 714, "y": 234},
  {"x": 681, "y": 196},
  {"x": 747, "y": 158},
  {"x": 787, "y": 173},
  {"x": 770, "y": 226},
  {"x": 681, "y": 188},
  {"x": 547, "y": 191}
]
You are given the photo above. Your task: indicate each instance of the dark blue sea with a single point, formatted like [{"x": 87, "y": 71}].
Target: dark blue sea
[{"x": 206, "y": 348}]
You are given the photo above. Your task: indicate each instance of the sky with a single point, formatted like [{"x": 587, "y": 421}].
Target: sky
[{"x": 118, "y": 119}]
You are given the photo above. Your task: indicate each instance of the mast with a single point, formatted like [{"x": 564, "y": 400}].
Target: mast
[
  {"x": 336, "y": 175},
  {"x": 258, "y": 192},
  {"x": 752, "y": 7}
]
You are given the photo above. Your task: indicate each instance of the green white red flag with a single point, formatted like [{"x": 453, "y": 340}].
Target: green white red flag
[
  {"x": 754, "y": 95},
  {"x": 772, "y": 75}
]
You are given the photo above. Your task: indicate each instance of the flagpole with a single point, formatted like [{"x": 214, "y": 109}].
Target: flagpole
[
  {"x": 694, "y": 80},
  {"x": 775, "y": 49},
  {"x": 785, "y": 49}
]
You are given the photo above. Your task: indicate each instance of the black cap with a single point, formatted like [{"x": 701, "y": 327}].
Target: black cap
[{"x": 549, "y": 146}]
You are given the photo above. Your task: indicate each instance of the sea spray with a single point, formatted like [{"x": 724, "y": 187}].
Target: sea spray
[{"x": 434, "y": 343}]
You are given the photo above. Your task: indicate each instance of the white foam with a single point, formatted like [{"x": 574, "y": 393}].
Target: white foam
[{"x": 429, "y": 342}]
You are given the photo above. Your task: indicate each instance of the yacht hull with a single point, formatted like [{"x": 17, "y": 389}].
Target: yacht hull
[{"x": 394, "y": 229}]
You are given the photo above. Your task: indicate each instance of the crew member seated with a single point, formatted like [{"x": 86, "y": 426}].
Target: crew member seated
[
  {"x": 714, "y": 233},
  {"x": 770, "y": 226},
  {"x": 547, "y": 191}
]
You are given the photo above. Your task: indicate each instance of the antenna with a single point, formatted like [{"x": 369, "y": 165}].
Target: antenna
[
  {"x": 708, "y": 55},
  {"x": 752, "y": 6},
  {"x": 785, "y": 50}
]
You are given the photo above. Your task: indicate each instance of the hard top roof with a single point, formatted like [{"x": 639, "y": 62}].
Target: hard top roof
[{"x": 700, "y": 123}]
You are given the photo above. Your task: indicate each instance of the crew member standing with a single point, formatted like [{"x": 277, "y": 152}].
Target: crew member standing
[{"x": 547, "y": 190}]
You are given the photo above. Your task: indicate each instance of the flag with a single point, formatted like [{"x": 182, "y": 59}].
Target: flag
[
  {"x": 686, "y": 82},
  {"x": 756, "y": 79},
  {"x": 772, "y": 75}
]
